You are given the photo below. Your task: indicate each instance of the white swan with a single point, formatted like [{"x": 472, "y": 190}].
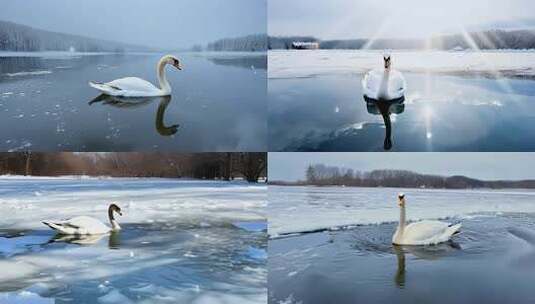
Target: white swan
[
  {"x": 137, "y": 87},
  {"x": 385, "y": 83},
  {"x": 84, "y": 225},
  {"x": 423, "y": 232}
]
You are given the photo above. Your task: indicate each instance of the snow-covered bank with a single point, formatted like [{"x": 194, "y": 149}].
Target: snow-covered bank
[
  {"x": 300, "y": 64},
  {"x": 306, "y": 209}
]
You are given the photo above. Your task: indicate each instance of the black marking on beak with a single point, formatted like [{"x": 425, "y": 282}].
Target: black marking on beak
[
  {"x": 176, "y": 64},
  {"x": 401, "y": 196}
]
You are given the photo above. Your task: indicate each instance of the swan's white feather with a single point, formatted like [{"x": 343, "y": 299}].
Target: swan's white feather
[
  {"x": 128, "y": 87},
  {"x": 425, "y": 233},
  {"x": 80, "y": 225},
  {"x": 371, "y": 84}
]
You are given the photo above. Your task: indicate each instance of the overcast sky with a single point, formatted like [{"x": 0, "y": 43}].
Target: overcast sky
[
  {"x": 343, "y": 19},
  {"x": 153, "y": 23},
  {"x": 291, "y": 166}
]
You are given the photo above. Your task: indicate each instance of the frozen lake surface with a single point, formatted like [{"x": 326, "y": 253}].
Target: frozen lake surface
[
  {"x": 45, "y": 103},
  {"x": 455, "y": 101},
  {"x": 491, "y": 260},
  {"x": 181, "y": 242}
]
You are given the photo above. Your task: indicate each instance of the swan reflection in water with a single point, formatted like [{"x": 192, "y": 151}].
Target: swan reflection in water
[
  {"x": 385, "y": 108},
  {"x": 114, "y": 239},
  {"x": 430, "y": 252},
  {"x": 137, "y": 102}
]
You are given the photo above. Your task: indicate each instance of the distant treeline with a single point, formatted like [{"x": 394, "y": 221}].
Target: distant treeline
[
  {"x": 322, "y": 175},
  {"x": 227, "y": 166},
  {"x": 495, "y": 39},
  {"x": 21, "y": 38},
  {"x": 250, "y": 43}
]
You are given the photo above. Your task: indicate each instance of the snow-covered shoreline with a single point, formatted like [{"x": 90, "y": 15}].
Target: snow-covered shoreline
[{"x": 309, "y": 63}]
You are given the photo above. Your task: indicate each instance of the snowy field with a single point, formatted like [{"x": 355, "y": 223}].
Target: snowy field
[
  {"x": 182, "y": 241},
  {"x": 300, "y": 64},
  {"x": 307, "y": 209}
]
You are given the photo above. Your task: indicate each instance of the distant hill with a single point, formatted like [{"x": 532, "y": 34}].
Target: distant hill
[
  {"x": 250, "y": 43},
  {"x": 486, "y": 40},
  {"x": 321, "y": 175},
  {"x": 21, "y": 38}
]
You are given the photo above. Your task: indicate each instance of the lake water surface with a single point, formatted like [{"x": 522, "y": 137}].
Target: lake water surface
[
  {"x": 485, "y": 263},
  {"x": 45, "y": 103}
]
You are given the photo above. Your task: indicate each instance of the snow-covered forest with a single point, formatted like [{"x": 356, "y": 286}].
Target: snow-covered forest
[
  {"x": 486, "y": 40},
  {"x": 323, "y": 175},
  {"x": 21, "y": 38},
  {"x": 250, "y": 43},
  {"x": 250, "y": 166}
]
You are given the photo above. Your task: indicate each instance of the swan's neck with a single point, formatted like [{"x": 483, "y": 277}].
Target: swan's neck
[
  {"x": 164, "y": 84},
  {"x": 383, "y": 88},
  {"x": 401, "y": 226},
  {"x": 114, "y": 225}
]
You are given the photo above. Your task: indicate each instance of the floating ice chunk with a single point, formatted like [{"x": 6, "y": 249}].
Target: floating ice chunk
[{"x": 34, "y": 73}]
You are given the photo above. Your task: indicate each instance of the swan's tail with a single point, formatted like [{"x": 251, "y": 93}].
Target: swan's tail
[
  {"x": 98, "y": 85},
  {"x": 54, "y": 226},
  {"x": 104, "y": 87}
]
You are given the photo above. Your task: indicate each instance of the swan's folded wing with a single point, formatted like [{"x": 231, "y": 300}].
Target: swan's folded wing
[
  {"x": 396, "y": 87},
  {"x": 132, "y": 84},
  {"x": 85, "y": 222},
  {"x": 371, "y": 82},
  {"x": 426, "y": 232}
]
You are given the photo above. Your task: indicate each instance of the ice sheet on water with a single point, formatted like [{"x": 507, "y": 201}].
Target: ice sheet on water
[
  {"x": 307, "y": 209},
  {"x": 51, "y": 54},
  {"x": 302, "y": 64},
  {"x": 142, "y": 200}
]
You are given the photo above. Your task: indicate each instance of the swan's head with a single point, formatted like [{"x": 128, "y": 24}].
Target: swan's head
[
  {"x": 172, "y": 60},
  {"x": 386, "y": 58},
  {"x": 114, "y": 208},
  {"x": 401, "y": 199}
]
